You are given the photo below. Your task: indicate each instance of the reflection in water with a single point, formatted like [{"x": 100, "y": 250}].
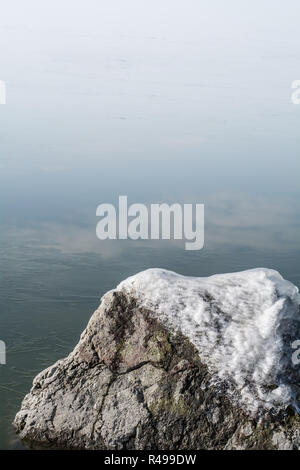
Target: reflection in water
[{"x": 52, "y": 278}]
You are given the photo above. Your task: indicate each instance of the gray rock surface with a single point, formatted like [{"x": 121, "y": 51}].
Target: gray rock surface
[{"x": 131, "y": 383}]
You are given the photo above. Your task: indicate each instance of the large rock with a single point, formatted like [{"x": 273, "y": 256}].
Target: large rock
[{"x": 169, "y": 362}]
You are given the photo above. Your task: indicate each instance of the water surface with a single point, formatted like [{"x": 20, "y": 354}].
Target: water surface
[{"x": 162, "y": 103}]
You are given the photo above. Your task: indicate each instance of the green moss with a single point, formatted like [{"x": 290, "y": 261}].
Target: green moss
[
  {"x": 159, "y": 348},
  {"x": 125, "y": 348},
  {"x": 169, "y": 405}
]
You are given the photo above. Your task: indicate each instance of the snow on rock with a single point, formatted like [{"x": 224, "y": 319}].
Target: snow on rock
[{"x": 241, "y": 323}]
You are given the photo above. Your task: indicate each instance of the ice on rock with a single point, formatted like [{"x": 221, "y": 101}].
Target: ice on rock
[{"x": 242, "y": 324}]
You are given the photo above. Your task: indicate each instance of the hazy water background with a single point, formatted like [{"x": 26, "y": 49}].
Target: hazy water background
[{"x": 173, "y": 102}]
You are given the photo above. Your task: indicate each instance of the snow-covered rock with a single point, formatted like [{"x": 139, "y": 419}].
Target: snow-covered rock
[
  {"x": 172, "y": 362},
  {"x": 242, "y": 324}
]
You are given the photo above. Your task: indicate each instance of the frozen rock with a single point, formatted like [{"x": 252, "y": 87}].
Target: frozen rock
[{"x": 171, "y": 362}]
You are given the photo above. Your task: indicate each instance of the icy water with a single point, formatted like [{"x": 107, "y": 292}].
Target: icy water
[
  {"x": 47, "y": 297},
  {"x": 162, "y": 103}
]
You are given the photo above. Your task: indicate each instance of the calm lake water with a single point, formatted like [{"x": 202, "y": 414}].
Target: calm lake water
[
  {"x": 47, "y": 297},
  {"x": 166, "y": 104}
]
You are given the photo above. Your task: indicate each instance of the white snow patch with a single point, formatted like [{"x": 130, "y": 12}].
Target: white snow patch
[{"x": 241, "y": 323}]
